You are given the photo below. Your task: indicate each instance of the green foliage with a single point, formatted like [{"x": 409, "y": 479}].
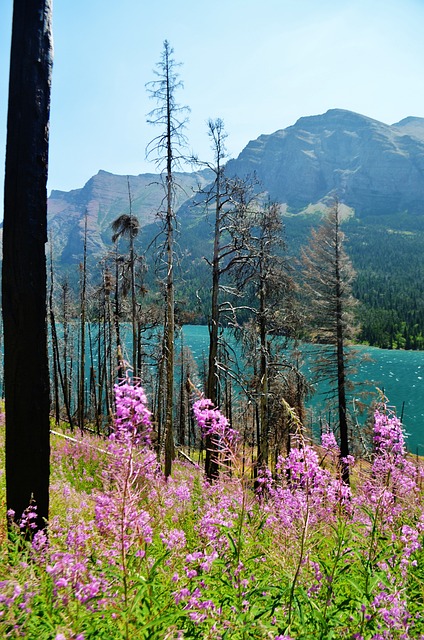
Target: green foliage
[
  {"x": 415, "y": 592},
  {"x": 216, "y": 561},
  {"x": 386, "y": 252}
]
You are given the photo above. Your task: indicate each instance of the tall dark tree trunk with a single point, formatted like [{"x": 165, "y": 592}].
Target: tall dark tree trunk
[
  {"x": 263, "y": 442},
  {"x": 170, "y": 319},
  {"x": 117, "y": 317},
  {"x": 24, "y": 262},
  {"x": 81, "y": 389},
  {"x": 212, "y": 381},
  {"x": 341, "y": 369},
  {"x": 54, "y": 343},
  {"x": 66, "y": 382},
  {"x": 168, "y": 146},
  {"x": 58, "y": 374},
  {"x": 217, "y": 134},
  {"x": 211, "y": 462}
]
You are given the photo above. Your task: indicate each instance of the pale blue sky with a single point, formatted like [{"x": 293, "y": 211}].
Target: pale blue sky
[{"x": 258, "y": 64}]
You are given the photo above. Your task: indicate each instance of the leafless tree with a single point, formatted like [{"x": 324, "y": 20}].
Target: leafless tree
[
  {"x": 167, "y": 149},
  {"x": 24, "y": 285},
  {"x": 231, "y": 200},
  {"x": 267, "y": 280},
  {"x": 327, "y": 280},
  {"x": 83, "y": 312},
  {"x": 127, "y": 226}
]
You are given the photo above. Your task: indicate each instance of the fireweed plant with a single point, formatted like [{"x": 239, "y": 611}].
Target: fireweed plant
[{"x": 297, "y": 554}]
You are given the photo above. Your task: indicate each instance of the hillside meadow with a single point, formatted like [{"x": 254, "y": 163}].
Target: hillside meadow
[{"x": 296, "y": 554}]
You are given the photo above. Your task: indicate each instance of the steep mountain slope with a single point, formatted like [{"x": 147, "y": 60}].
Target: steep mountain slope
[
  {"x": 411, "y": 127},
  {"x": 373, "y": 167},
  {"x": 104, "y": 197}
]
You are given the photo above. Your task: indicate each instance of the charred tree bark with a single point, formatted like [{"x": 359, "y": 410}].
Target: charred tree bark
[
  {"x": 263, "y": 440},
  {"x": 58, "y": 374},
  {"x": 168, "y": 147},
  {"x": 218, "y": 135},
  {"x": 170, "y": 325},
  {"x": 81, "y": 388},
  {"x": 66, "y": 382},
  {"x": 341, "y": 368},
  {"x": 24, "y": 283}
]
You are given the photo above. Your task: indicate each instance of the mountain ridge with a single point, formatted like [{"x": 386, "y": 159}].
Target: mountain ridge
[
  {"x": 103, "y": 198},
  {"x": 376, "y": 170},
  {"x": 372, "y": 167}
]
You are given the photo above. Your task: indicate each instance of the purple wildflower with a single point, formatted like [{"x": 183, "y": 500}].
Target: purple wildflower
[
  {"x": 132, "y": 413},
  {"x": 329, "y": 442},
  {"x": 211, "y": 422}
]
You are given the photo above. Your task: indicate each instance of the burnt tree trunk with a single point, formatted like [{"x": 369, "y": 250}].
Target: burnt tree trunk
[
  {"x": 83, "y": 298},
  {"x": 341, "y": 369},
  {"x": 24, "y": 286}
]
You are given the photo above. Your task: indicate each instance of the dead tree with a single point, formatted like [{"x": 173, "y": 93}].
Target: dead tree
[
  {"x": 327, "y": 280},
  {"x": 24, "y": 284},
  {"x": 166, "y": 147}
]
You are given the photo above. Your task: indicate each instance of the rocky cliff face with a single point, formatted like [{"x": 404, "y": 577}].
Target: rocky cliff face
[
  {"x": 373, "y": 167},
  {"x": 104, "y": 198},
  {"x": 411, "y": 127}
]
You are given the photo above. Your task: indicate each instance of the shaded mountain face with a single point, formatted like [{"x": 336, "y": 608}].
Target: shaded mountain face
[
  {"x": 104, "y": 198},
  {"x": 372, "y": 167}
]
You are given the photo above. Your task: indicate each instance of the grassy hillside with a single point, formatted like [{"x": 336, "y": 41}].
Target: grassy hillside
[{"x": 133, "y": 556}]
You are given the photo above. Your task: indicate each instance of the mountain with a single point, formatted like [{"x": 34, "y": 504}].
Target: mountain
[
  {"x": 376, "y": 170},
  {"x": 372, "y": 167},
  {"x": 411, "y": 126},
  {"x": 103, "y": 198}
]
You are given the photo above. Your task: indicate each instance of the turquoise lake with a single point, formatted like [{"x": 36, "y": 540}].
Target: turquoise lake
[{"x": 400, "y": 374}]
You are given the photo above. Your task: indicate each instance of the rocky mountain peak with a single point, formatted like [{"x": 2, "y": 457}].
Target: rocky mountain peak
[
  {"x": 371, "y": 166},
  {"x": 411, "y": 126}
]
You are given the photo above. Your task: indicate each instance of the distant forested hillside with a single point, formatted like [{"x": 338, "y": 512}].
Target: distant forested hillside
[{"x": 387, "y": 253}]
